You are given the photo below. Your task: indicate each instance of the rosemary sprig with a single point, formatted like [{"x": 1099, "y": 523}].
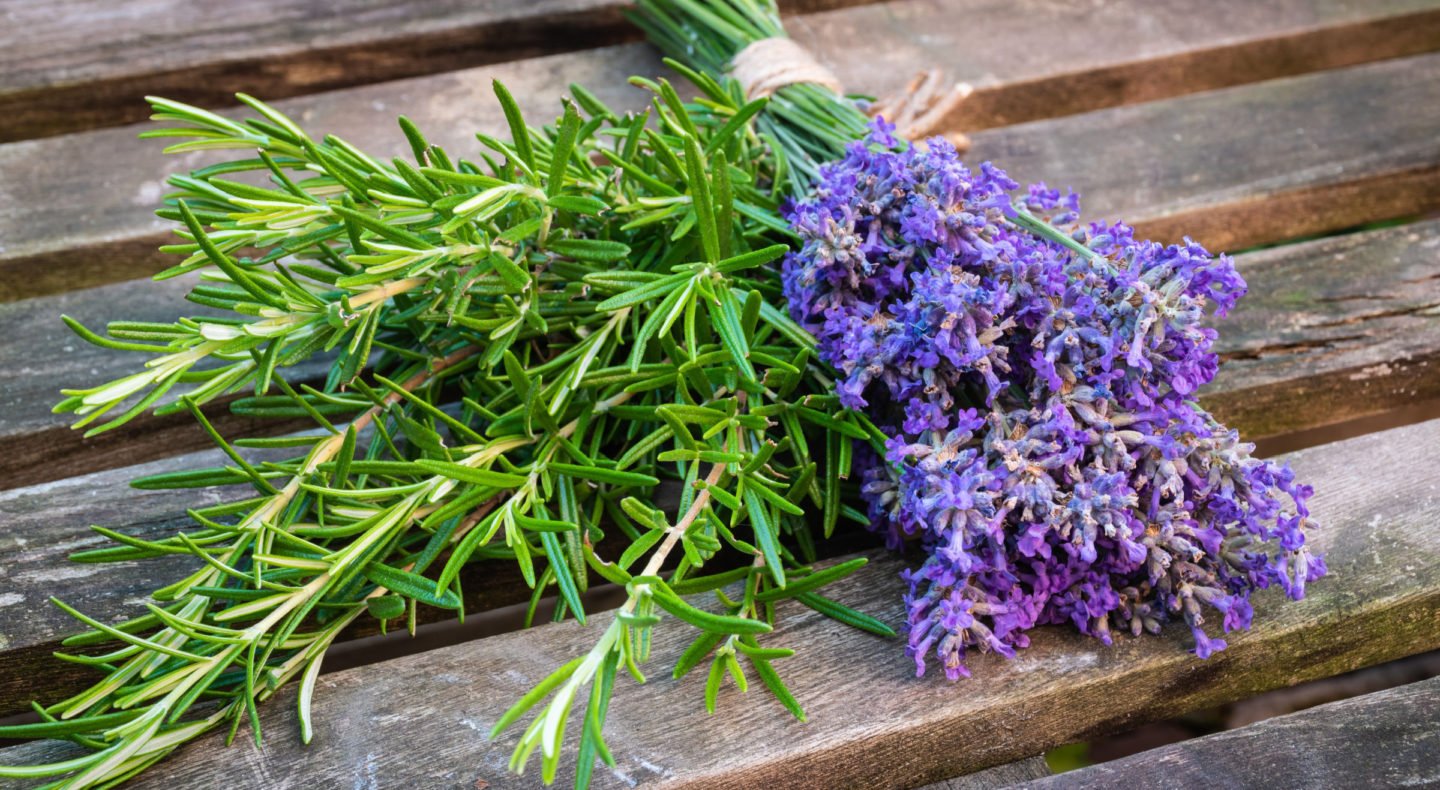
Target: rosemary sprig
[
  {"x": 804, "y": 125},
  {"x": 523, "y": 349}
]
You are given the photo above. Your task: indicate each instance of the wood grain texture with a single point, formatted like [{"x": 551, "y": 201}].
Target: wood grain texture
[
  {"x": 1413, "y": 669},
  {"x": 82, "y": 64},
  {"x": 40, "y": 356},
  {"x": 1035, "y": 59},
  {"x": 1332, "y": 330},
  {"x": 39, "y": 528},
  {"x": 1007, "y": 775},
  {"x": 1385, "y": 739},
  {"x": 872, "y": 723},
  {"x": 1245, "y": 166},
  {"x": 77, "y": 210}
]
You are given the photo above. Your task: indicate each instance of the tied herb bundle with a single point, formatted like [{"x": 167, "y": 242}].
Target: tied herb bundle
[
  {"x": 1034, "y": 378},
  {"x": 510, "y": 359}
]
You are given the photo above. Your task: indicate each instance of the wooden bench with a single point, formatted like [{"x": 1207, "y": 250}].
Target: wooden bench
[{"x": 1243, "y": 125}]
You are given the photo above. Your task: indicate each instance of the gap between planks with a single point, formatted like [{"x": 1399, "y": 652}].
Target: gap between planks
[
  {"x": 77, "y": 210},
  {"x": 1385, "y": 738},
  {"x": 1376, "y": 500}
]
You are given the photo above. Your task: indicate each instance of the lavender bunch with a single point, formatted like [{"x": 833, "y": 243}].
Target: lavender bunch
[{"x": 1035, "y": 377}]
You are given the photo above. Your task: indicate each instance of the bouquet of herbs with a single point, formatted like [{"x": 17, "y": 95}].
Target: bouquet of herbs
[{"x": 636, "y": 349}]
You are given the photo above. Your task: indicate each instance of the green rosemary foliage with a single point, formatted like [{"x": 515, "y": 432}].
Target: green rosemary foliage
[
  {"x": 805, "y": 125},
  {"x": 503, "y": 360}
]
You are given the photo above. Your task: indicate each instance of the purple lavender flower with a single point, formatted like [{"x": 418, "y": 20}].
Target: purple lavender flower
[{"x": 1044, "y": 445}]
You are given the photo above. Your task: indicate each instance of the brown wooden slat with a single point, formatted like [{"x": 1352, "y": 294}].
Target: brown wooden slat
[
  {"x": 421, "y": 720},
  {"x": 1249, "y": 165},
  {"x": 76, "y": 210},
  {"x": 1385, "y": 739},
  {"x": 1006, "y": 775},
  {"x": 74, "y": 65},
  {"x": 1280, "y": 702},
  {"x": 1331, "y": 331},
  {"x": 1034, "y": 59}
]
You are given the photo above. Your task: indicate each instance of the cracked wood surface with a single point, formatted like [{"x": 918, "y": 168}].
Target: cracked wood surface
[
  {"x": 83, "y": 64},
  {"x": 1377, "y": 500},
  {"x": 77, "y": 210},
  {"x": 1331, "y": 330},
  {"x": 1383, "y": 739}
]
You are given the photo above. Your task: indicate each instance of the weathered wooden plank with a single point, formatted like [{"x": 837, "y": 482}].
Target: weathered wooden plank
[
  {"x": 1037, "y": 59},
  {"x": 872, "y": 723},
  {"x": 1332, "y": 330},
  {"x": 1249, "y": 165},
  {"x": 82, "y": 64},
  {"x": 39, "y": 528},
  {"x": 1421, "y": 666},
  {"x": 76, "y": 210},
  {"x": 1385, "y": 739},
  {"x": 1007, "y": 775},
  {"x": 101, "y": 188},
  {"x": 41, "y": 525},
  {"x": 41, "y": 356}
]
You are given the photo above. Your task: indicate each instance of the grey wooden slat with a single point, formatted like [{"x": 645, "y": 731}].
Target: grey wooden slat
[
  {"x": 1250, "y": 165},
  {"x": 76, "y": 210},
  {"x": 1332, "y": 330},
  {"x": 420, "y": 720},
  {"x": 72, "y": 65},
  {"x": 40, "y": 356},
  {"x": 1384, "y": 739},
  {"x": 39, "y": 528},
  {"x": 1007, "y": 775}
]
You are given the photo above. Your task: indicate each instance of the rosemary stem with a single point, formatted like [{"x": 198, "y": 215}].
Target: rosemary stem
[
  {"x": 388, "y": 290},
  {"x": 676, "y": 532}
]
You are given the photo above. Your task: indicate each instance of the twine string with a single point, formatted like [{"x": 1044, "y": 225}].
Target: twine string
[
  {"x": 918, "y": 110},
  {"x": 769, "y": 64}
]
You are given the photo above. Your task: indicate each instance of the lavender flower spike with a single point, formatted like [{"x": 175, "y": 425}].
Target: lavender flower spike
[{"x": 1036, "y": 380}]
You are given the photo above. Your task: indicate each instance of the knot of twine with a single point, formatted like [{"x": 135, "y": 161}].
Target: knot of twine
[{"x": 769, "y": 64}]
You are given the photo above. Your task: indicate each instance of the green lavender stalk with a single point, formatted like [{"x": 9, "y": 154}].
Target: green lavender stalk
[{"x": 520, "y": 350}]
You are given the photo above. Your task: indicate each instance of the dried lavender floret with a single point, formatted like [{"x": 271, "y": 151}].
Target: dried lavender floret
[{"x": 1044, "y": 444}]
